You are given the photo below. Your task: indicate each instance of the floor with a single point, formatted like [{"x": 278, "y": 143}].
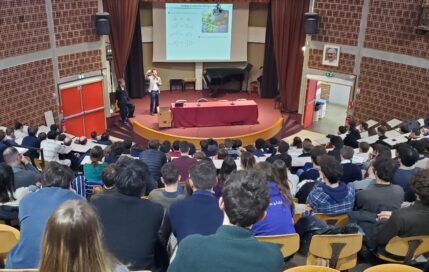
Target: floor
[
  {"x": 313, "y": 136},
  {"x": 335, "y": 117}
]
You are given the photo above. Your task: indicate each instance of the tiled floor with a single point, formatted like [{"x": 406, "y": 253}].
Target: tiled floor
[{"x": 335, "y": 116}]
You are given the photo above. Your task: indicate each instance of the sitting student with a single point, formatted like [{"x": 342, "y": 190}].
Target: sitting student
[
  {"x": 72, "y": 241},
  {"x": 94, "y": 137},
  {"x": 136, "y": 149},
  {"x": 378, "y": 150},
  {"x": 20, "y": 133},
  {"x": 198, "y": 213},
  {"x": 306, "y": 149},
  {"x": 154, "y": 159},
  {"x": 108, "y": 179},
  {"x": 92, "y": 171},
  {"x": 408, "y": 156},
  {"x": 247, "y": 160},
  {"x": 3, "y": 144},
  {"x": 228, "y": 166},
  {"x": 421, "y": 146},
  {"x": 364, "y": 150},
  {"x": 342, "y": 132},
  {"x": 233, "y": 247},
  {"x": 260, "y": 148},
  {"x": 337, "y": 143},
  {"x": 381, "y": 131},
  {"x": 283, "y": 148},
  {"x": 351, "y": 172},
  {"x": 184, "y": 162},
  {"x": 353, "y": 136},
  {"x": 130, "y": 224},
  {"x": 410, "y": 221},
  {"x": 330, "y": 196},
  {"x": 53, "y": 148},
  {"x": 363, "y": 127},
  {"x": 56, "y": 179},
  {"x": 170, "y": 178},
  {"x": 297, "y": 143},
  {"x": 279, "y": 215},
  {"x": 222, "y": 154},
  {"x": 229, "y": 145},
  {"x": 116, "y": 150},
  {"x": 24, "y": 172},
  {"x": 104, "y": 139},
  {"x": 31, "y": 141},
  {"x": 165, "y": 147}
]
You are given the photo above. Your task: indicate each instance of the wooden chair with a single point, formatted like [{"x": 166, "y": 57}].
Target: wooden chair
[
  {"x": 296, "y": 217},
  {"x": 340, "y": 250},
  {"x": 96, "y": 189},
  {"x": 39, "y": 164},
  {"x": 288, "y": 243},
  {"x": 19, "y": 270},
  {"x": 337, "y": 220},
  {"x": 311, "y": 268},
  {"x": 406, "y": 249},
  {"x": 9, "y": 236},
  {"x": 255, "y": 86},
  {"x": 392, "y": 268}
]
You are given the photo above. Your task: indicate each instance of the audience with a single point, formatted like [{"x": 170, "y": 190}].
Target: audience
[
  {"x": 408, "y": 156},
  {"x": 154, "y": 159},
  {"x": 34, "y": 211},
  {"x": 233, "y": 248},
  {"x": 92, "y": 171},
  {"x": 116, "y": 150},
  {"x": 342, "y": 132},
  {"x": 31, "y": 141},
  {"x": 351, "y": 172},
  {"x": 297, "y": 143},
  {"x": 228, "y": 166},
  {"x": 20, "y": 133},
  {"x": 353, "y": 136},
  {"x": 259, "y": 148},
  {"x": 337, "y": 144},
  {"x": 10, "y": 136},
  {"x": 108, "y": 179},
  {"x": 184, "y": 162},
  {"x": 53, "y": 148},
  {"x": 283, "y": 148},
  {"x": 247, "y": 160},
  {"x": 3, "y": 144},
  {"x": 24, "y": 172},
  {"x": 130, "y": 224},
  {"x": 72, "y": 241},
  {"x": 306, "y": 149},
  {"x": 364, "y": 150},
  {"x": 104, "y": 139}
]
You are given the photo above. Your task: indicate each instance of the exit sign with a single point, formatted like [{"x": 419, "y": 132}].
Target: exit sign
[{"x": 329, "y": 74}]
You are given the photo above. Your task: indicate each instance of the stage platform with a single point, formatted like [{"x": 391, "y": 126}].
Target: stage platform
[{"x": 270, "y": 120}]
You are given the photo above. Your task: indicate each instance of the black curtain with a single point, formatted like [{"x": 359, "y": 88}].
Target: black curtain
[
  {"x": 134, "y": 73},
  {"x": 269, "y": 73}
]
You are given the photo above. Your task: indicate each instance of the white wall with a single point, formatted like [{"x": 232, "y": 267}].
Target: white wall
[{"x": 339, "y": 94}]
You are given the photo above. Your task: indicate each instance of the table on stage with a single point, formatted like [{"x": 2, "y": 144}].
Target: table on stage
[{"x": 216, "y": 113}]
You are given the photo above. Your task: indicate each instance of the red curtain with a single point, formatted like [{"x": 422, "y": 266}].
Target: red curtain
[
  {"x": 122, "y": 21},
  {"x": 289, "y": 38}
]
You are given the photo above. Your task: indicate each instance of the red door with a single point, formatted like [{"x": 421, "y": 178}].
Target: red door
[{"x": 310, "y": 98}]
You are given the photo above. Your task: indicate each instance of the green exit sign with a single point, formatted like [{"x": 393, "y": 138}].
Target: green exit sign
[{"x": 329, "y": 74}]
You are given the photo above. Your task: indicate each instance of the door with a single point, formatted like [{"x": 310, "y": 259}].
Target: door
[{"x": 310, "y": 98}]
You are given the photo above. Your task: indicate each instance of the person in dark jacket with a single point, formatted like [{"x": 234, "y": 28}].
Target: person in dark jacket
[
  {"x": 154, "y": 159},
  {"x": 353, "y": 136},
  {"x": 351, "y": 172},
  {"x": 337, "y": 143},
  {"x": 126, "y": 108},
  {"x": 31, "y": 141}
]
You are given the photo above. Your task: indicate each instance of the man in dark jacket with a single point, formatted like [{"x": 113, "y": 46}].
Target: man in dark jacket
[
  {"x": 351, "y": 172},
  {"x": 126, "y": 108},
  {"x": 154, "y": 159}
]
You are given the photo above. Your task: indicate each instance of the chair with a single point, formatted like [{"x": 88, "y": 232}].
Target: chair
[
  {"x": 296, "y": 217},
  {"x": 202, "y": 100},
  {"x": 405, "y": 249},
  {"x": 340, "y": 250},
  {"x": 310, "y": 268},
  {"x": 337, "y": 220},
  {"x": 39, "y": 164},
  {"x": 9, "y": 236},
  {"x": 392, "y": 268},
  {"x": 288, "y": 243},
  {"x": 96, "y": 189}
]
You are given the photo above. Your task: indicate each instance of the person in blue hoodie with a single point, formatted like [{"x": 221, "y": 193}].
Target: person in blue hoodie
[
  {"x": 331, "y": 196},
  {"x": 279, "y": 215}
]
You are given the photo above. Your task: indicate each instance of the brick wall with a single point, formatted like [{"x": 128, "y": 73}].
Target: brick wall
[
  {"x": 78, "y": 63},
  {"x": 74, "y": 21},
  {"x": 23, "y": 27},
  {"x": 27, "y": 92},
  {"x": 391, "y": 90},
  {"x": 339, "y": 21},
  {"x": 346, "y": 65}
]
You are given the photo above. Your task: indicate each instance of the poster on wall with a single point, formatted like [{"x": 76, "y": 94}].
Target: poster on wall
[{"x": 331, "y": 55}]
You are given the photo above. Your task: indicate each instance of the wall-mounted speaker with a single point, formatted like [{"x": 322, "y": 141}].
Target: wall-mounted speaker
[
  {"x": 102, "y": 23},
  {"x": 311, "y": 22}
]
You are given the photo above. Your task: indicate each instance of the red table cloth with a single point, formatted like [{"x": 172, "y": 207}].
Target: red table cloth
[{"x": 211, "y": 114}]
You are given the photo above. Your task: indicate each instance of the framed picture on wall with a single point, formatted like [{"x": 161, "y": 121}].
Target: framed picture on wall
[{"x": 331, "y": 55}]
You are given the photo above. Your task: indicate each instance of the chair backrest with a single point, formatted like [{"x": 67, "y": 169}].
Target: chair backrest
[
  {"x": 39, "y": 164},
  {"x": 337, "y": 220},
  {"x": 311, "y": 268},
  {"x": 340, "y": 249},
  {"x": 288, "y": 243},
  {"x": 408, "y": 247},
  {"x": 19, "y": 270},
  {"x": 392, "y": 268},
  {"x": 9, "y": 236},
  {"x": 96, "y": 189},
  {"x": 202, "y": 100}
]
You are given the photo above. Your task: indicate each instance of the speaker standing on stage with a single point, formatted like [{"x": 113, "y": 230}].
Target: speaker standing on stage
[
  {"x": 154, "y": 83},
  {"x": 126, "y": 108}
]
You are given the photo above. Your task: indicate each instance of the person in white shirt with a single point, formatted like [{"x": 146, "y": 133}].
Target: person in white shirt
[
  {"x": 154, "y": 83},
  {"x": 52, "y": 148}
]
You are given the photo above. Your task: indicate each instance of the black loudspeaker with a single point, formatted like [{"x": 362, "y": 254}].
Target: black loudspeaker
[
  {"x": 102, "y": 23},
  {"x": 311, "y": 21}
]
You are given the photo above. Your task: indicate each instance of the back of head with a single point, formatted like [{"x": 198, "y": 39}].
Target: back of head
[
  {"x": 96, "y": 154},
  {"x": 364, "y": 147},
  {"x": 331, "y": 168},
  {"x": 260, "y": 143},
  {"x": 372, "y": 131},
  {"x": 420, "y": 184},
  {"x": 297, "y": 142},
  {"x": 52, "y": 135},
  {"x": 342, "y": 129},
  {"x": 364, "y": 126},
  {"x": 199, "y": 155},
  {"x": 337, "y": 142},
  {"x": 245, "y": 196},
  {"x": 265, "y": 169},
  {"x": 280, "y": 177},
  {"x": 18, "y": 125},
  {"x": 2, "y": 135},
  {"x": 381, "y": 130},
  {"x": 62, "y": 138},
  {"x": 408, "y": 155},
  {"x": 53, "y": 128},
  {"x": 127, "y": 144},
  {"x": 83, "y": 140},
  {"x": 385, "y": 168},
  {"x": 104, "y": 137},
  {"x": 203, "y": 175},
  {"x": 7, "y": 183},
  {"x": 228, "y": 166},
  {"x": 347, "y": 152},
  {"x": 131, "y": 177},
  {"x": 307, "y": 146},
  {"x": 56, "y": 175},
  {"x": 237, "y": 143},
  {"x": 170, "y": 174},
  {"x": 420, "y": 146},
  {"x": 316, "y": 152},
  {"x": 11, "y": 156},
  {"x": 184, "y": 147},
  {"x": 176, "y": 145},
  {"x": 165, "y": 147},
  {"x": 42, "y": 136},
  {"x": 72, "y": 240},
  {"x": 108, "y": 175},
  {"x": 117, "y": 149},
  {"x": 153, "y": 144},
  {"x": 32, "y": 130},
  {"x": 228, "y": 143},
  {"x": 382, "y": 150},
  {"x": 222, "y": 154},
  {"x": 247, "y": 160},
  {"x": 283, "y": 147},
  {"x": 94, "y": 135},
  {"x": 273, "y": 141}
]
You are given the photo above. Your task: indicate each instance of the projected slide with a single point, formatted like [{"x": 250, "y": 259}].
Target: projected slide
[{"x": 197, "y": 32}]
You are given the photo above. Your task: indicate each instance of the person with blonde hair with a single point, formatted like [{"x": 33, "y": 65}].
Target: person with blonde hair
[
  {"x": 72, "y": 242},
  {"x": 247, "y": 160}
]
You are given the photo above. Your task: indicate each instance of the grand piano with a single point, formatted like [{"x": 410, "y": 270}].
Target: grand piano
[{"x": 226, "y": 79}]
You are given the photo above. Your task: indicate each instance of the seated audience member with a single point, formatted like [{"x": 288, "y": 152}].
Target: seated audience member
[
  {"x": 352, "y": 136},
  {"x": 94, "y": 136},
  {"x": 130, "y": 224},
  {"x": 108, "y": 179},
  {"x": 381, "y": 131},
  {"x": 175, "y": 152},
  {"x": 127, "y": 146},
  {"x": 364, "y": 150},
  {"x": 55, "y": 130},
  {"x": 222, "y": 154},
  {"x": 363, "y": 127},
  {"x": 313, "y": 173},
  {"x": 272, "y": 145},
  {"x": 92, "y": 171},
  {"x": 351, "y": 172},
  {"x": 209, "y": 147},
  {"x": 136, "y": 149},
  {"x": 281, "y": 173},
  {"x": 3, "y": 144},
  {"x": 228, "y": 166},
  {"x": 170, "y": 179},
  {"x": 342, "y": 132},
  {"x": 337, "y": 143},
  {"x": 154, "y": 159},
  {"x": 199, "y": 155},
  {"x": 72, "y": 241},
  {"x": 408, "y": 156},
  {"x": 372, "y": 131},
  {"x": 20, "y": 133},
  {"x": 421, "y": 147},
  {"x": 306, "y": 149},
  {"x": 24, "y": 172},
  {"x": 247, "y": 160},
  {"x": 10, "y": 136},
  {"x": 52, "y": 149},
  {"x": 56, "y": 179},
  {"x": 229, "y": 145},
  {"x": 279, "y": 215},
  {"x": 198, "y": 213},
  {"x": 165, "y": 147},
  {"x": 330, "y": 196},
  {"x": 410, "y": 221},
  {"x": 297, "y": 143},
  {"x": 116, "y": 150},
  {"x": 283, "y": 148},
  {"x": 74, "y": 157},
  {"x": 233, "y": 247},
  {"x": 104, "y": 139},
  {"x": 237, "y": 144},
  {"x": 31, "y": 141},
  {"x": 378, "y": 150},
  {"x": 378, "y": 197},
  {"x": 184, "y": 162},
  {"x": 42, "y": 136},
  {"x": 260, "y": 148}
]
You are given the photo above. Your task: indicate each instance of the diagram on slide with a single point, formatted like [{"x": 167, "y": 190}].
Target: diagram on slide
[{"x": 215, "y": 23}]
